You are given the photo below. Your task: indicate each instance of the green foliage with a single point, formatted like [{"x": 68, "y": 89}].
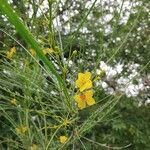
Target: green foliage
[
  {"x": 37, "y": 91},
  {"x": 130, "y": 125}
]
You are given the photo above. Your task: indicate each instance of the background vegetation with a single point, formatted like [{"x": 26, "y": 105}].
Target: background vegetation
[{"x": 108, "y": 38}]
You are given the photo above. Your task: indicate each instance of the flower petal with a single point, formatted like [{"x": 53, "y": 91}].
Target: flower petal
[
  {"x": 77, "y": 98},
  {"x": 81, "y": 104},
  {"x": 89, "y": 93},
  {"x": 87, "y": 75},
  {"x": 63, "y": 139},
  {"x": 90, "y": 101},
  {"x": 78, "y": 83},
  {"x": 80, "y": 76},
  {"x": 87, "y": 85}
]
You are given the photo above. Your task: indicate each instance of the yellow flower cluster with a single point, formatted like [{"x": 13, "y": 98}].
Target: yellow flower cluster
[
  {"x": 48, "y": 51},
  {"x": 45, "y": 51},
  {"x": 63, "y": 139},
  {"x": 85, "y": 96},
  {"x": 11, "y": 52},
  {"x": 34, "y": 147},
  {"x": 13, "y": 101},
  {"x": 21, "y": 129},
  {"x": 32, "y": 51}
]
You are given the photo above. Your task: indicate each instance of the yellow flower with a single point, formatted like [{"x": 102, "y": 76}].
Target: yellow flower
[
  {"x": 85, "y": 98},
  {"x": 32, "y": 51},
  {"x": 48, "y": 51},
  {"x": 74, "y": 53},
  {"x": 66, "y": 122},
  {"x": 34, "y": 147},
  {"x": 21, "y": 129},
  {"x": 13, "y": 101},
  {"x": 63, "y": 139},
  {"x": 83, "y": 82},
  {"x": 11, "y": 52}
]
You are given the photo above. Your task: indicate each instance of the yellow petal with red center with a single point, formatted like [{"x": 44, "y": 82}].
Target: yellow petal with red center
[
  {"x": 89, "y": 100},
  {"x": 80, "y": 102}
]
